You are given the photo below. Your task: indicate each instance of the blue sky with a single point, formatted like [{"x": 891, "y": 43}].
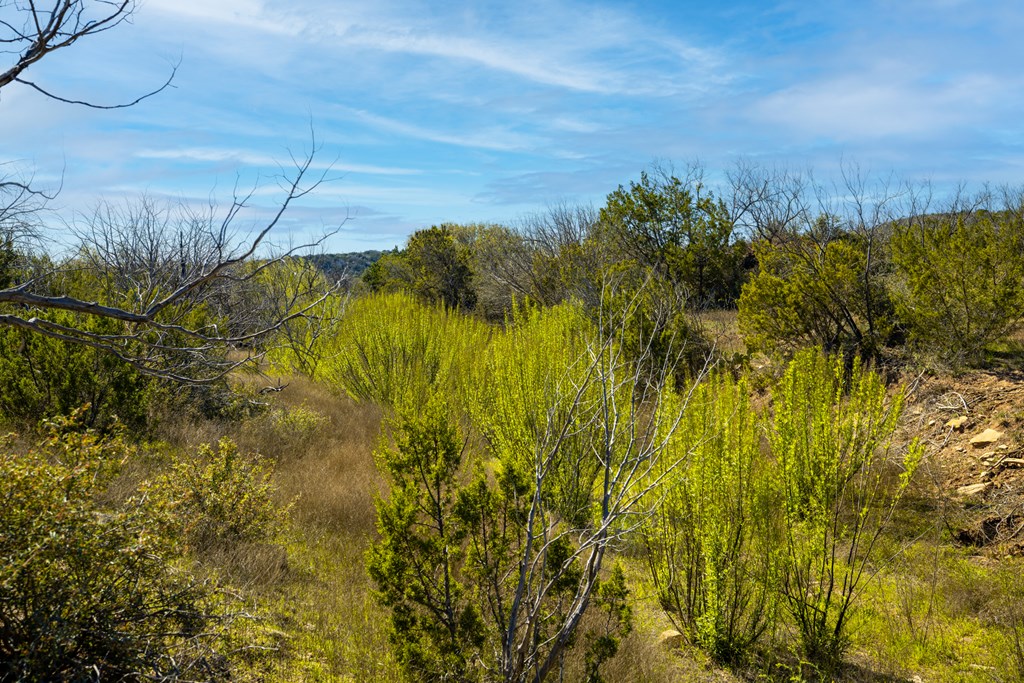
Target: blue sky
[{"x": 486, "y": 111}]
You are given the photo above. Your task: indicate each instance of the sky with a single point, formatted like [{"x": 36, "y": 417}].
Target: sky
[{"x": 455, "y": 111}]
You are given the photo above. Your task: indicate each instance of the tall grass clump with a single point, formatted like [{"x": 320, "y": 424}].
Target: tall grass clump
[
  {"x": 838, "y": 477},
  {"x": 710, "y": 544},
  {"x": 390, "y": 348}
]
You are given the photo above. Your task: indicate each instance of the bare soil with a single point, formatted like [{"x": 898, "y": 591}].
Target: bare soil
[{"x": 990, "y": 514}]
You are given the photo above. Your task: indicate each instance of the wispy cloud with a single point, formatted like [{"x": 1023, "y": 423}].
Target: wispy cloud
[
  {"x": 460, "y": 110},
  {"x": 495, "y": 138},
  {"x": 870, "y": 106},
  {"x": 532, "y": 65},
  {"x": 247, "y": 14},
  {"x": 218, "y": 155}
]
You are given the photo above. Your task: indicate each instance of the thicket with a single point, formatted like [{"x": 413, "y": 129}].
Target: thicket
[
  {"x": 862, "y": 268},
  {"x": 514, "y": 468},
  {"x": 960, "y": 282},
  {"x": 812, "y": 293},
  {"x": 42, "y": 377},
  {"x": 89, "y": 591},
  {"x": 711, "y": 545},
  {"x": 774, "y": 516},
  {"x": 947, "y": 280},
  {"x": 491, "y": 555}
]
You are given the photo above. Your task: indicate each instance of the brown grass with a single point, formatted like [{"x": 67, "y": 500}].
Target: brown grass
[
  {"x": 721, "y": 328},
  {"x": 336, "y": 631}
]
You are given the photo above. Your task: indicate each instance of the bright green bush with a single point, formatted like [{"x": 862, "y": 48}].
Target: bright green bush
[
  {"x": 960, "y": 282},
  {"x": 88, "y": 593},
  {"x": 838, "y": 475},
  {"x": 390, "y": 348},
  {"x": 711, "y": 543},
  {"x": 534, "y": 369}
]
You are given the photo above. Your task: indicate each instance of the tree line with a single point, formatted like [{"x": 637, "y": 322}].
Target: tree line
[{"x": 872, "y": 268}]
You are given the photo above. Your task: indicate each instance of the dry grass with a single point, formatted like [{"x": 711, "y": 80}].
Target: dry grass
[
  {"x": 721, "y": 328},
  {"x": 313, "y": 587},
  {"x": 336, "y": 631}
]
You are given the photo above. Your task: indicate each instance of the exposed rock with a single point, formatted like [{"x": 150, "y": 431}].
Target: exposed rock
[
  {"x": 957, "y": 423},
  {"x": 973, "y": 489},
  {"x": 986, "y": 438},
  {"x": 670, "y": 639}
]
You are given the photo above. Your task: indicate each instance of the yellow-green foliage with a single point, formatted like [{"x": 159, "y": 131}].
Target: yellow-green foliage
[
  {"x": 534, "y": 371},
  {"x": 308, "y": 307},
  {"x": 710, "y": 543},
  {"x": 220, "y": 496},
  {"x": 390, "y": 348},
  {"x": 960, "y": 282},
  {"x": 831, "y": 438}
]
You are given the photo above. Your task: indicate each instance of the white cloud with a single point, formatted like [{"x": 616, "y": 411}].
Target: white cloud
[
  {"x": 218, "y": 155},
  {"x": 250, "y": 14},
  {"x": 531, "y": 64},
  {"x": 492, "y": 138},
  {"x": 868, "y": 106}
]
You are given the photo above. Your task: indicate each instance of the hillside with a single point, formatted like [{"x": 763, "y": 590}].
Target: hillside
[{"x": 345, "y": 265}]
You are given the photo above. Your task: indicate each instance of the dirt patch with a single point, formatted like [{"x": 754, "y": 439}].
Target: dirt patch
[{"x": 973, "y": 425}]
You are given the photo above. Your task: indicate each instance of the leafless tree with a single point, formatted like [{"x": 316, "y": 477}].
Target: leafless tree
[
  {"x": 156, "y": 272},
  {"x": 183, "y": 292},
  {"x": 30, "y": 31},
  {"x": 767, "y": 202}
]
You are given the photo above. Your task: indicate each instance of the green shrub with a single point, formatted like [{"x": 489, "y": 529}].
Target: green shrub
[
  {"x": 838, "y": 481},
  {"x": 482, "y": 580},
  {"x": 390, "y": 348},
  {"x": 88, "y": 593},
  {"x": 434, "y": 265},
  {"x": 647, "y": 317},
  {"x": 419, "y": 563},
  {"x": 533, "y": 369},
  {"x": 42, "y": 377},
  {"x": 711, "y": 543},
  {"x": 682, "y": 231},
  {"x": 960, "y": 282},
  {"x": 810, "y": 294},
  {"x": 219, "y": 498}
]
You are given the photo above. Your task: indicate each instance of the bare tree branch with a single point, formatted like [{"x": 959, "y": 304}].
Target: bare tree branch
[
  {"x": 32, "y": 30},
  {"x": 154, "y": 269}
]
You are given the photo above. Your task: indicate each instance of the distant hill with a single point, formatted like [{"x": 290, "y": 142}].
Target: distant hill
[{"x": 345, "y": 266}]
